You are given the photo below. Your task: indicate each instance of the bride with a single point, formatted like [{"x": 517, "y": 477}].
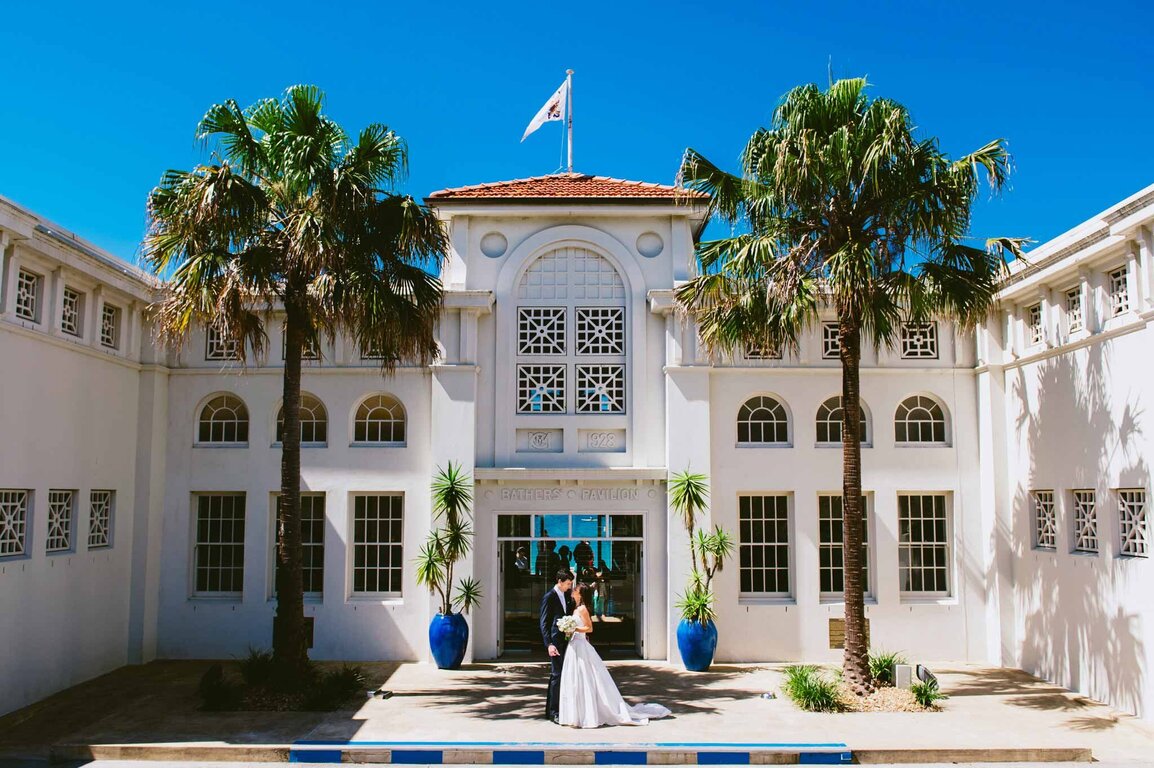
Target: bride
[{"x": 589, "y": 697}]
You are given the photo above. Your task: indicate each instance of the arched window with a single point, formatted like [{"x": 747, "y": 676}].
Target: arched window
[
  {"x": 314, "y": 422},
  {"x": 763, "y": 421},
  {"x": 920, "y": 419},
  {"x": 223, "y": 420},
  {"x": 829, "y": 421},
  {"x": 380, "y": 419}
]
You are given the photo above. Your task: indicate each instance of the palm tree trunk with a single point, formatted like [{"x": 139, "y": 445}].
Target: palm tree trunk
[
  {"x": 856, "y": 662},
  {"x": 289, "y": 641}
]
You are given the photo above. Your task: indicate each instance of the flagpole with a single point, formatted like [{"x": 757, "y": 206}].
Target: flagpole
[{"x": 569, "y": 109}]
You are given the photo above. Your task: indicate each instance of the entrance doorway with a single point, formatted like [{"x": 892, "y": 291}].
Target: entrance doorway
[{"x": 604, "y": 551}]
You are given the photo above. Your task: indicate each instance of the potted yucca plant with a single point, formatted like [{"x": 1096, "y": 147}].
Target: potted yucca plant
[
  {"x": 448, "y": 543},
  {"x": 708, "y": 551}
]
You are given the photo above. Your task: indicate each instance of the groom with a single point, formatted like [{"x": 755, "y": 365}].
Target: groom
[{"x": 554, "y": 604}]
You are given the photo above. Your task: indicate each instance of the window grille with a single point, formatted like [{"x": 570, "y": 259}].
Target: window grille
[
  {"x": 831, "y": 545},
  {"x": 830, "y": 341},
  {"x": 1045, "y": 520},
  {"x": 920, "y": 419},
  {"x": 920, "y": 340},
  {"x": 601, "y": 389},
  {"x": 1119, "y": 292},
  {"x": 829, "y": 422},
  {"x": 100, "y": 519},
  {"x": 541, "y": 389},
  {"x": 762, "y": 420},
  {"x": 13, "y": 521},
  {"x": 380, "y": 419},
  {"x": 60, "y": 504},
  {"x": 1074, "y": 309},
  {"x": 314, "y": 422},
  {"x": 1132, "y": 523},
  {"x": 110, "y": 326},
  {"x": 312, "y": 543},
  {"x": 377, "y": 552},
  {"x": 763, "y": 545},
  {"x": 1034, "y": 323},
  {"x": 601, "y": 330},
  {"x": 923, "y": 544},
  {"x": 70, "y": 316},
  {"x": 541, "y": 331},
  {"x": 218, "y": 556},
  {"x": 217, "y": 347},
  {"x": 310, "y": 350},
  {"x": 1085, "y": 522},
  {"x": 28, "y": 296},
  {"x": 757, "y": 351},
  {"x": 371, "y": 350},
  {"x": 223, "y": 420},
  {"x": 571, "y": 273}
]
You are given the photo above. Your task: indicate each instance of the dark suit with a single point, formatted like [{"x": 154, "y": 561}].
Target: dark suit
[{"x": 551, "y": 610}]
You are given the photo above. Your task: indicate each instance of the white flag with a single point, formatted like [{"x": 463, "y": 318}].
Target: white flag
[{"x": 554, "y": 109}]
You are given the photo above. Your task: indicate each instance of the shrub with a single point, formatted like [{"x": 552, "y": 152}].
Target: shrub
[
  {"x": 927, "y": 694},
  {"x": 258, "y": 667},
  {"x": 809, "y": 689},
  {"x": 218, "y": 693},
  {"x": 882, "y": 666},
  {"x": 329, "y": 690}
]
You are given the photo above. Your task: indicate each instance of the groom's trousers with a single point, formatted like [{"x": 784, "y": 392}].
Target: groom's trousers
[{"x": 553, "y": 700}]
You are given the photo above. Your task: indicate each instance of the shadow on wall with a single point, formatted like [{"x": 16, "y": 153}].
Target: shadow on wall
[{"x": 1075, "y": 630}]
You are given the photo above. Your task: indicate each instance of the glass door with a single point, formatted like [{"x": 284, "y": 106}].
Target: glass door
[{"x": 602, "y": 551}]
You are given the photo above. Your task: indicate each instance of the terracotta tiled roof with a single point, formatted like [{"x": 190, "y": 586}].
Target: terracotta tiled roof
[{"x": 559, "y": 186}]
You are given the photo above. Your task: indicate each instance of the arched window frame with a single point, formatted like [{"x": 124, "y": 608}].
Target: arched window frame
[
  {"x": 214, "y": 428},
  {"x": 781, "y": 423},
  {"x": 314, "y": 422},
  {"x": 911, "y": 404},
  {"x": 366, "y": 407},
  {"x": 829, "y": 412}
]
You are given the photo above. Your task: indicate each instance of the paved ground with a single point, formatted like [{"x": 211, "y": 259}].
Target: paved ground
[
  {"x": 156, "y": 704},
  {"x": 197, "y": 764}
]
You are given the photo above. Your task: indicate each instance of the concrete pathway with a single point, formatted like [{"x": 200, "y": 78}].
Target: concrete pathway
[{"x": 987, "y": 709}]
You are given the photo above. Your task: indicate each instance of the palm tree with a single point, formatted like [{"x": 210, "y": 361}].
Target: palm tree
[
  {"x": 295, "y": 216},
  {"x": 839, "y": 205}
]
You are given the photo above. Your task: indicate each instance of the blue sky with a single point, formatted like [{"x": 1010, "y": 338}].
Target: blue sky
[{"x": 99, "y": 99}]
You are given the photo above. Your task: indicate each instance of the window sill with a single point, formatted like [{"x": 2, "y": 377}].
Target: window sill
[
  {"x": 384, "y": 599},
  {"x": 923, "y": 445},
  {"x": 831, "y": 600},
  {"x": 303, "y": 445},
  {"x": 764, "y": 445},
  {"x": 230, "y": 598},
  {"x": 1089, "y": 554},
  {"x": 220, "y": 445},
  {"x": 1132, "y": 556},
  {"x": 1038, "y": 549},
  {"x": 838, "y": 445},
  {"x": 928, "y": 600},
  {"x": 378, "y": 445},
  {"x": 767, "y": 600}
]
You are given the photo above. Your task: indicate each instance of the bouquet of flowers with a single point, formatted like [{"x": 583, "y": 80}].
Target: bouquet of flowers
[{"x": 568, "y": 625}]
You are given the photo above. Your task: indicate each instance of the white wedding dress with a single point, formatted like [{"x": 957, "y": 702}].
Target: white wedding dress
[{"x": 589, "y": 697}]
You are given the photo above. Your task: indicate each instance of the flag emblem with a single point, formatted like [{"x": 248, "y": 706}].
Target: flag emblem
[{"x": 553, "y": 110}]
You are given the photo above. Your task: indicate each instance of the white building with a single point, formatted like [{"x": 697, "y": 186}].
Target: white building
[{"x": 1005, "y": 475}]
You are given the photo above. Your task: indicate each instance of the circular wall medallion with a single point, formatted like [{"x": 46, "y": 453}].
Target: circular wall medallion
[
  {"x": 494, "y": 245},
  {"x": 650, "y": 244},
  {"x": 652, "y": 493}
]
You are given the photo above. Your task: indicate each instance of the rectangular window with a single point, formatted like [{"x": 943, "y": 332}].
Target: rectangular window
[
  {"x": 370, "y": 350},
  {"x": 1074, "y": 309},
  {"x": 541, "y": 331},
  {"x": 763, "y": 545},
  {"x": 28, "y": 296},
  {"x": 601, "y": 389},
  {"x": 217, "y": 347},
  {"x": 1045, "y": 520},
  {"x": 920, "y": 341},
  {"x": 218, "y": 549},
  {"x": 1119, "y": 292},
  {"x": 60, "y": 506},
  {"x": 71, "y": 313},
  {"x": 100, "y": 505},
  {"x": 377, "y": 536},
  {"x": 1085, "y": 522},
  {"x": 1132, "y": 523},
  {"x": 755, "y": 351},
  {"x": 309, "y": 349},
  {"x": 312, "y": 542},
  {"x": 13, "y": 521},
  {"x": 1034, "y": 324},
  {"x": 601, "y": 330},
  {"x": 831, "y": 547},
  {"x": 110, "y": 326},
  {"x": 540, "y": 389},
  {"x": 830, "y": 341},
  {"x": 923, "y": 545}
]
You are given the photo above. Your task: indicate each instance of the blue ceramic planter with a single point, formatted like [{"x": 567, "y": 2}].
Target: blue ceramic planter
[
  {"x": 697, "y": 642},
  {"x": 448, "y": 638}
]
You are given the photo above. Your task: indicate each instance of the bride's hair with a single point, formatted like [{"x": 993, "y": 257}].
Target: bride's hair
[{"x": 580, "y": 588}]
